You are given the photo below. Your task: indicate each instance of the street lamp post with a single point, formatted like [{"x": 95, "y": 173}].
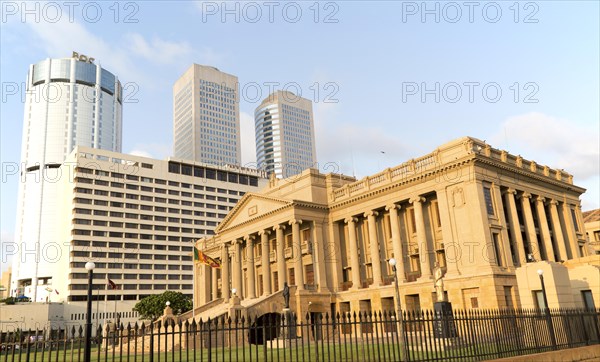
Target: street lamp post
[
  {"x": 547, "y": 310},
  {"x": 399, "y": 317},
  {"x": 89, "y": 266}
]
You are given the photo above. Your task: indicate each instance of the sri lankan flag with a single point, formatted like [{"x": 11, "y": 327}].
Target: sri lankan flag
[{"x": 205, "y": 259}]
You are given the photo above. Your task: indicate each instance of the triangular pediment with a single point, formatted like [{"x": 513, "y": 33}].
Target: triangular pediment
[{"x": 250, "y": 207}]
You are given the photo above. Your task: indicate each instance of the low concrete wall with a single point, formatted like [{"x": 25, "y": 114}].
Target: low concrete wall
[{"x": 588, "y": 353}]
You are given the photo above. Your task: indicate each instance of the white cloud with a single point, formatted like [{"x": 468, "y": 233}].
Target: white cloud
[
  {"x": 158, "y": 50},
  {"x": 110, "y": 55},
  {"x": 247, "y": 138},
  {"x": 120, "y": 57},
  {"x": 157, "y": 151},
  {"x": 558, "y": 143},
  {"x": 140, "y": 153}
]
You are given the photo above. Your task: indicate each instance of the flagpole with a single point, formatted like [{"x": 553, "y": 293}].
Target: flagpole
[
  {"x": 194, "y": 282},
  {"x": 116, "y": 319},
  {"x": 105, "y": 299},
  {"x": 97, "y": 307}
]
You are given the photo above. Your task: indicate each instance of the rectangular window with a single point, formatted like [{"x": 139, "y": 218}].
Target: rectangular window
[
  {"x": 436, "y": 214},
  {"x": 310, "y": 274},
  {"x": 487, "y": 196},
  {"x": 497, "y": 248},
  {"x": 412, "y": 221},
  {"x": 538, "y": 299},
  {"x": 474, "y": 303},
  {"x": 588, "y": 299},
  {"x": 305, "y": 235},
  {"x": 292, "y": 277}
]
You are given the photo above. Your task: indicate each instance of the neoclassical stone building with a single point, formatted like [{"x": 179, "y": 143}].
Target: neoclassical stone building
[{"x": 479, "y": 212}]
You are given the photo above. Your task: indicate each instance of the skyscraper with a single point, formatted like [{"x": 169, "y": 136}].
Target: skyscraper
[
  {"x": 285, "y": 134},
  {"x": 206, "y": 117},
  {"x": 69, "y": 102}
]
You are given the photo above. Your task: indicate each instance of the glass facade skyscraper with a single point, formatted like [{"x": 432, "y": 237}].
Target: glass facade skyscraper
[
  {"x": 206, "y": 117},
  {"x": 285, "y": 134}
]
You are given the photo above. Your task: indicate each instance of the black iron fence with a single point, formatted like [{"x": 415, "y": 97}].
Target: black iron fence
[{"x": 369, "y": 336}]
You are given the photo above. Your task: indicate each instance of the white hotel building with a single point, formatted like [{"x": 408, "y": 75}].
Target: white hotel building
[
  {"x": 137, "y": 218},
  {"x": 68, "y": 103}
]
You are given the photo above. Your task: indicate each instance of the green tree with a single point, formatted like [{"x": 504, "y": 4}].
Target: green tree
[{"x": 153, "y": 306}]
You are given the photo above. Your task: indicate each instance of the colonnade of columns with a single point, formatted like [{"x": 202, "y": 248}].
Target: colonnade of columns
[
  {"x": 397, "y": 247},
  {"x": 553, "y": 251},
  {"x": 547, "y": 227},
  {"x": 552, "y": 219},
  {"x": 233, "y": 251}
]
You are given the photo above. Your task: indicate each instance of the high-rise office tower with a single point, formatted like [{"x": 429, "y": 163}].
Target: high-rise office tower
[
  {"x": 285, "y": 134},
  {"x": 206, "y": 117},
  {"x": 69, "y": 102}
]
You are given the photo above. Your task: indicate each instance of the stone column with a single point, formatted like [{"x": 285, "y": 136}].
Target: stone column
[
  {"x": 266, "y": 262},
  {"x": 250, "y": 268},
  {"x": 451, "y": 249},
  {"x": 571, "y": 234},
  {"x": 374, "y": 244},
  {"x": 503, "y": 232},
  {"x": 319, "y": 260},
  {"x": 355, "y": 265},
  {"x": 397, "y": 241},
  {"x": 281, "y": 265},
  {"x": 544, "y": 230},
  {"x": 298, "y": 266},
  {"x": 530, "y": 226},
  {"x": 237, "y": 268},
  {"x": 515, "y": 226},
  {"x": 557, "y": 230},
  {"x": 225, "y": 285},
  {"x": 422, "y": 237},
  {"x": 214, "y": 283}
]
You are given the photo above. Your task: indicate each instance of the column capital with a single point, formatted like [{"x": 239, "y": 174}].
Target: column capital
[
  {"x": 295, "y": 221},
  {"x": 540, "y": 199},
  {"x": 371, "y": 213},
  {"x": 553, "y": 202},
  {"x": 265, "y": 231},
  {"x": 350, "y": 219},
  {"x": 278, "y": 227},
  {"x": 510, "y": 191},
  {"x": 249, "y": 238},
  {"x": 238, "y": 241},
  {"x": 525, "y": 195},
  {"x": 392, "y": 207},
  {"x": 420, "y": 199}
]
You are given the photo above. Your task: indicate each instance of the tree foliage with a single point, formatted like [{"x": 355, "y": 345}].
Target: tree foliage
[{"x": 153, "y": 306}]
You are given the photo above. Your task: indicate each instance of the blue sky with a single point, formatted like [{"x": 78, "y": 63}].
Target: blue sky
[{"x": 369, "y": 61}]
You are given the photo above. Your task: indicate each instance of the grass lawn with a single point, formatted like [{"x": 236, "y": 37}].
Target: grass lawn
[{"x": 297, "y": 352}]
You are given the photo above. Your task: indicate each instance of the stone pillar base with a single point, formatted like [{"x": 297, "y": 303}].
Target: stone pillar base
[{"x": 443, "y": 323}]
